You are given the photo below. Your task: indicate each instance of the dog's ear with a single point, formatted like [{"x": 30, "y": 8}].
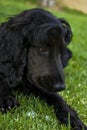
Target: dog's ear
[
  {"x": 13, "y": 53},
  {"x": 65, "y": 56},
  {"x": 67, "y": 30}
]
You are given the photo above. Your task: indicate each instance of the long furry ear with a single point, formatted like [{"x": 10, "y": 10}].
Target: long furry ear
[
  {"x": 67, "y": 30},
  {"x": 12, "y": 54},
  {"x": 65, "y": 57}
]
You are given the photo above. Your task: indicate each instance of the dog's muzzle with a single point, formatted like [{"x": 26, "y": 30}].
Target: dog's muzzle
[{"x": 50, "y": 84}]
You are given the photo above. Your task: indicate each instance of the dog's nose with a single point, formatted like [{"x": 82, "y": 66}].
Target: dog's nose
[{"x": 59, "y": 86}]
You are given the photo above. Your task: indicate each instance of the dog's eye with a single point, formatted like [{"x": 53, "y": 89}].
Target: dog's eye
[{"x": 44, "y": 51}]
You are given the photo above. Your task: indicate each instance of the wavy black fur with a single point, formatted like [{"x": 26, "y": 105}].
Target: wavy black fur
[{"x": 33, "y": 53}]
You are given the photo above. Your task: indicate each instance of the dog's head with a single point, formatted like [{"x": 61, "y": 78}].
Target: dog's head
[
  {"x": 48, "y": 54},
  {"x": 46, "y": 38}
]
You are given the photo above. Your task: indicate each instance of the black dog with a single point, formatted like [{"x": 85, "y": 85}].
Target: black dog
[{"x": 33, "y": 53}]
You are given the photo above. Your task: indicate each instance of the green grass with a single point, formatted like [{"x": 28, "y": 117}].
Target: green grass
[{"x": 33, "y": 113}]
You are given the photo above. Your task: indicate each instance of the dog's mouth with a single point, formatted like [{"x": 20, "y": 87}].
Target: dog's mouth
[{"x": 50, "y": 85}]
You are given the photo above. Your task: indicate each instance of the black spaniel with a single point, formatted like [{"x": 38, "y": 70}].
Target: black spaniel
[{"x": 33, "y": 54}]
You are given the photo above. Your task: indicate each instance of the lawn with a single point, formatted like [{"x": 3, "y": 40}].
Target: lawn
[{"x": 33, "y": 113}]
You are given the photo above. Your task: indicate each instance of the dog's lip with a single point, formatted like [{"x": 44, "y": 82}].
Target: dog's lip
[
  {"x": 59, "y": 86},
  {"x": 55, "y": 88}
]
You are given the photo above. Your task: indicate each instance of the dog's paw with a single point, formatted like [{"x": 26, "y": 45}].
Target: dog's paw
[
  {"x": 77, "y": 124},
  {"x": 72, "y": 119},
  {"x": 7, "y": 103},
  {"x": 85, "y": 128}
]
